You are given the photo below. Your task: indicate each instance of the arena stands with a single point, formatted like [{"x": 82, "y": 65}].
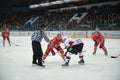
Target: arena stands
[{"x": 105, "y": 16}]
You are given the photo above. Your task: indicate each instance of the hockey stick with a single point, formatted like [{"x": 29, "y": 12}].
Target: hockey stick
[
  {"x": 115, "y": 56},
  {"x": 14, "y": 44},
  {"x": 60, "y": 55}
]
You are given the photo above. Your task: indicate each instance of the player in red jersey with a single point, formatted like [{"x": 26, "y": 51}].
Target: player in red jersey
[
  {"x": 56, "y": 41},
  {"x": 5, "y": 35},
  {"x": 99, "y": 39}
]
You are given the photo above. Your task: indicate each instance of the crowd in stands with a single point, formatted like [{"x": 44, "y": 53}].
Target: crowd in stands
[{"x": 106, "y": 17}]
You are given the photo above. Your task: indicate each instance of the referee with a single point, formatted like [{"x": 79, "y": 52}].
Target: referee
[{"x": 36, "y": 38}]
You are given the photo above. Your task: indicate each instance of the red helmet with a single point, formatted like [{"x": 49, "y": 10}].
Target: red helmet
[
  {"x": 59, "y": 36},
  {"x": 97, "y": 33}
]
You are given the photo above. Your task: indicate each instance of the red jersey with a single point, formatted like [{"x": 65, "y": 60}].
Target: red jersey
[
  {"x": 5, "y": 33},
  {"x": 56, "y": 42},
  {"x": 98, "y": 37}
]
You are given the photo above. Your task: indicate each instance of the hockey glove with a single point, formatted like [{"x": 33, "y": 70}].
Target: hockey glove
[
  {"x": 53, "y": 53},
  {"x": 70, "y": 49},
  {"x": 51, "y": 44},
  {"x": 65, "y": 47},
  {"x": 100, "y": 46}
]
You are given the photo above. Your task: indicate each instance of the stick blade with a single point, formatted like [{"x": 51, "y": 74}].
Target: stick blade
[
  {"x": 113, "y": 57},
  {"x": 16, "y": 45}
]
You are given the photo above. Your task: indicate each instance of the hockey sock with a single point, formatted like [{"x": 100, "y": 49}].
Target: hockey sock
[
  {"x": 67, "y": 59},
  {"x": 44, "y": 56},
  {"x": 104, "y": 49}
]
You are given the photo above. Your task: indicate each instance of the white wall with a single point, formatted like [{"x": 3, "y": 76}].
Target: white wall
[{"x": 108, "y": 34}]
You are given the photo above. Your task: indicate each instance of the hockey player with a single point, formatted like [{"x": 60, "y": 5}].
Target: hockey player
[
  {"x": 6, "y": 35},
  {"x": 99, "y": 39},
  {"x": 73, "y": 46},
  {"x": 56, "y": 41}
]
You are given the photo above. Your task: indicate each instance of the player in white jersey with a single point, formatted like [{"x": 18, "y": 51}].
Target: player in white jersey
[{"x": 73, "y": 46}]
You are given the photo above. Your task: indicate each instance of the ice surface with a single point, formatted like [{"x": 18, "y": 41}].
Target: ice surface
[{"x": 15, "y": 62}]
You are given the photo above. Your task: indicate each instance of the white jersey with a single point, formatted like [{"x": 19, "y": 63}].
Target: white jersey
[{"x": 74, "y": 41}]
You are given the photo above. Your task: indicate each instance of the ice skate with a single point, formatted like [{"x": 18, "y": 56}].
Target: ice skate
[
  {"x": 94, "y": 53},
  {"x": 9, "y": 44},
  {"x": 81, "y": 61},
  {"x": 106, "y": 53},
  {"x": 41, "y": 65},
  {"x": 66, "y": 64}
]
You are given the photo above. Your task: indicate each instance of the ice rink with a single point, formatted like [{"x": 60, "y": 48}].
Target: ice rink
[{"x": 15, "y": 62}]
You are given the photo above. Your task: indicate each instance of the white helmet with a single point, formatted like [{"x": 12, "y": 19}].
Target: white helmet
[{"x": 97, "y": 29}]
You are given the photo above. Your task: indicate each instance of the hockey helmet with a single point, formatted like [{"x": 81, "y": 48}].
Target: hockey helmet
[
  {"x": 97, "y": 29},
  {"x": 59, "y": 36}
]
